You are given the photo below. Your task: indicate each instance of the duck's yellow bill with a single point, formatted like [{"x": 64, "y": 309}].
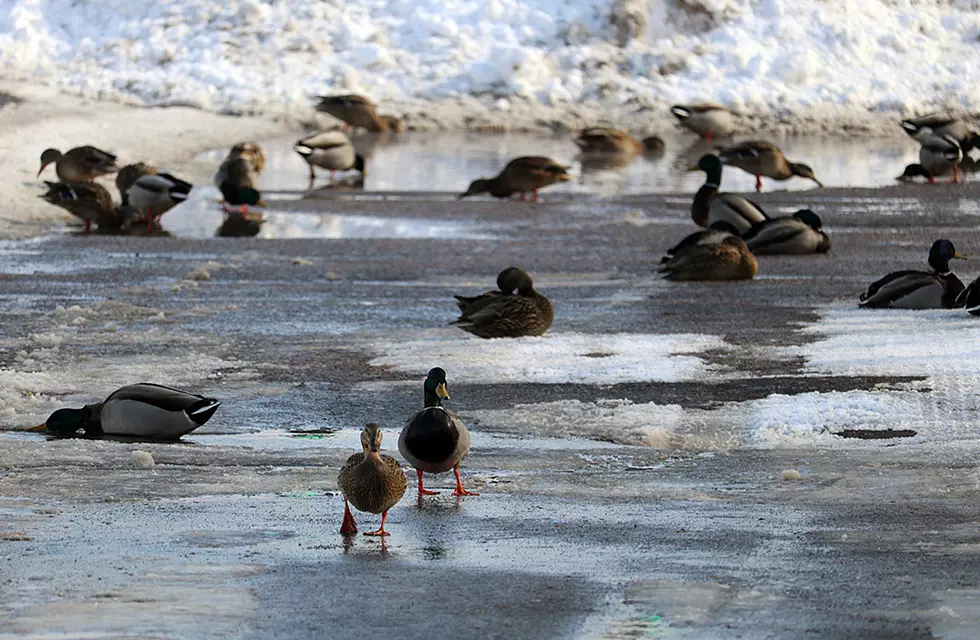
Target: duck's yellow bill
[
  {"x": 441, "y": 391},
  {"x": 40, "y": 427},
  {"x": 262, "y": 204},
  {"x": 694, "y": 168},
  {"x": 959, "y": 256}
]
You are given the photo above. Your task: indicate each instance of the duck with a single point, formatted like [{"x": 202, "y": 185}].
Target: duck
[
  {"x": 370, "y": 481},
  {"x": 710, "y": 205},
  {"x": 79, "y": 164},
  {"x": 332, "y": 151},
  {"x": 799, "y": 234},
  {"x": 241, "y": 197},
  {"x": 241, "y": 166},
  {"x": 392, "y": 123},
  {"x": 252, "y": 152},
  {"x": 936, "y": 289},
  {"x": 89, "y": 201},
  {"x": 356, "y": 111},
  {"x": 937, "y": 156},
  {"x": 155, "y": 194},
  {"x": 144, "y": 410},
  {"x": 715, "y": 234},
  {"x": 435, "y": 440},
  {"x": 729, "y": 259},
  {"x": 527, "y": 173},
  {"x": 969, "y": 298},
  {"x": 127, "y": 177},
  {"x": 941, "y": 124},
  {"x": 610, "y": 140},
  {"x": 505, "y": 314},
  {"x": 707, "y": 119},
  {"x": 762, "y": 158}
]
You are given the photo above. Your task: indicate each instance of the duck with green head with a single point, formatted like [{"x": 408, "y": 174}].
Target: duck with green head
[
  {"x": 936, "y": 289},
  {"x": 711, "y": 205}
]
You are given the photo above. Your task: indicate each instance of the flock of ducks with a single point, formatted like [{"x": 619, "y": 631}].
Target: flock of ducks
[{"x": 733, "y": 231}]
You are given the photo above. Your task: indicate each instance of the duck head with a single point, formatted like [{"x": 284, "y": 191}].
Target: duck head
[
  {"x": 913, "y": 171},
  {"x": 804, "y": 171},
  {"x": 64, "y": 422},
  {"x": 371, "y": 438},
  {"x": 477, "y": 187},
  {"x": 50, "y": 156},
  {"x": 241, "y": 195},
  {"x": 359, "y": 164},
  {"x": 809, "y": 218},
  {"x": 941, "y": 252},
  {"x": 711, "y": 165},
  {"x": 435, "y": 387},
  {"x": 515, "y": 278}
]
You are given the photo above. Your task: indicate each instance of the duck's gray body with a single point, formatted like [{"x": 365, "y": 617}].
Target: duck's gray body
[
  {"x": 331, "y": 150},
  {"x": 705, "y": 119},
  {"x": 153, "y": 411},
  {"x": 939, "y": 154},
  {"x": 787, "y": 236},
  {"x": 913, "y": 290},
  {"x": 157, "y": 193},
  {"x": 736, "y": 210},
  {"x": 434, "y": 440}
]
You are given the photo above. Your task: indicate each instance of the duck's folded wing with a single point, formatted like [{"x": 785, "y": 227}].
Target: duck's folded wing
[
  {"x": 895, "y": 286},
  {"x": 326, "y": 140},
  {"x": 774, "y": 232},
  {"x": 166, "y": 398}
]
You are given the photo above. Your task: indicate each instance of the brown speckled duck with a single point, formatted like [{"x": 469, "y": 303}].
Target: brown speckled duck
[
  {"x": 89, "y": 201},
  {"x": 610, "y": 140},
  {"x": 370, "y": 481},
  {"x": 729, "y": 259},
  {"x": 505, "y": 314},
  {"x": 357, "y": 111},
  {"x": 80, "y": 164},
  {"x": 762, "y": 158},
  {"x": 521, "y": 175}
]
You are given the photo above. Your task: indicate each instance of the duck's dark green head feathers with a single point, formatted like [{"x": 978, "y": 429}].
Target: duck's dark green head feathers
[
  {"x": 514, "y": 278},
  {"x": 708, "y": 163},
  {"x": 359, "y": 164},
  {"x": 435, "y": 385},
  {"x": 476, "y": 187},
  {"x": 809, "y": 218},
  {"x": 66, "y": 421},
  {"x": 941, "y": 253},
  {"x": 913, "y": 171},
  {"x": 241, "y": 195},
  {"x": 371, "y": 437}
]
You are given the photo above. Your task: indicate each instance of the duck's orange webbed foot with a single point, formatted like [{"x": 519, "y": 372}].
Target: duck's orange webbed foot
[
  {"x": 422, "y": 490},
  {"x": 460, "y": 491},
  {"x": 381, "y": 530},
  {"x": 348, "y": 526}
]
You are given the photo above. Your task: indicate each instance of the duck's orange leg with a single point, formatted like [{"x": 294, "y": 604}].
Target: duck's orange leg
[
  {"x": 932, "y": 178},
  {"x": 522, "y": 196},
  {"x": 758, "y": 184},
  {"x": 460, "y": 491},
  {"x": 534, "y": 198},
  {"x": 956, "y": 175},
  {"x": 707, "y": 136},
  {"x": 348, "y": 526},
  {"x": 381, "y": 531},
  {"x": 88, "y": 226},
  {"x": 422, "y": 490}
]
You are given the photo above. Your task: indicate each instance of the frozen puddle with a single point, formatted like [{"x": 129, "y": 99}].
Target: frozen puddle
[{"x": 27, "y": 257}]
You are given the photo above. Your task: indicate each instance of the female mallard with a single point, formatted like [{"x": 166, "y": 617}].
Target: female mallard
[
  {"x": 941, "y": 124},
  {"x": 505, "y": 314},
  {"x": 798, "y": 234},
  {"x": 609, "y": 140},
  {"x": 715, "y": 234},
  {"x": 155, "y": 194},
  {"x": 127, "y": 177},
  {"x": 937, "y": 289},
  {"x": 355, "y": 111},
  {"x": 370, "y": 481},
  {"x": 435, "y": 439},
  {"x": 527, "y": 173},
  {"x": 761, "y": 158},
  {"x": 89, "y": 201},
  {"x": 242, "y": 166},
  {"x": 81, "y": 164},
  {"x": 332, "y": 151},
  {"x": 730, "y": 259},
  {"x": 707, "y": 119},
  {"x": 144, "y": 410},
  {"x": 710, "y": 206}
]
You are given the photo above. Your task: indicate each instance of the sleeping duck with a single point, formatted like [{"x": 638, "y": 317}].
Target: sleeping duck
[
  {"x": 936, "y": 289},
  {"x": 370, "y": 481},
  {"x": 435, "y": 439},
  {"x": 715, "y": 234},
  {"x": 712, "y": 206},
  {"x": 798, "y": 234},
  {"x": 505, "y": 314},
  {"x": 147, "y": 411},
  {"x": 729, "y": 259}
]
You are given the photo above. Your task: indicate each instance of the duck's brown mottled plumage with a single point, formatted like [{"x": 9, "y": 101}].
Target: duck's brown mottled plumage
[
  {"x": 357, "y": 111},
  {"x": 763, "y": 158},
  {"x": 79, "y": 164},
  {"x": 89, "y": 201},
  {"x": 370, "y": 481},
  {"x": 610, "y": 140},
  {"x": 504, "y": 314},
  {"x": 521, "y": 175},
  {"x": 728, "y": 260}
]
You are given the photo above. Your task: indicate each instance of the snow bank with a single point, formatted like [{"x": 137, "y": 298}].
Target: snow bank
[{"x": 822, "y": 61}]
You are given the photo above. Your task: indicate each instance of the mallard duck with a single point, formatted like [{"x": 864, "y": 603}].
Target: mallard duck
[
  {"x": 730, "y": 259},
  {"x": 941, "y": 124},
  {"x": 969, "y": 298},
  {"x": 89, "y": 201},
  {"x": 714, "y": 234},
  {"x": 938, "y": 155},
  {"x": 707, "y": 119},
  {"x": 370, "y": 481},
  {"x": 144, "y": 410},
  {"x": 711, "y": 206},
  {"x": 242, "y": 166},
  {"x": 354, "y": 111},
  {"x": 155, "y": 194},
  {"x": 332, "y": 151},
  {"x": 761, "y": 158},
  {"x": 798, "y": 234},
  {"x": 241, "y": 197},
  {"x": 393, "y": 124},
  {"x": 435, "y": 439},
  {"x": 509, "y": 315},
  {"x": 80, "y": 164},
  {"x": 252, "y": 152},
  {"x": 937, "y": 289},
  {"x": 128, "y": 175},
  {"x": 609, "y": 140},
  {"x": 527, "y": 173}
]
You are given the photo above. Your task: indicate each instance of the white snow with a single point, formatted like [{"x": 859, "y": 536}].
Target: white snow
[{"x": 816, "y": 60}]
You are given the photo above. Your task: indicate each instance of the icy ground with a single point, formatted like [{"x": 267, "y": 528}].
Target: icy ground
[{"x": 801, "y": 65}]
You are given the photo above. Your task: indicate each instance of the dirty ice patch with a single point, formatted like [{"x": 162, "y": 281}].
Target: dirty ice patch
[{"x": 555, "y": 359}]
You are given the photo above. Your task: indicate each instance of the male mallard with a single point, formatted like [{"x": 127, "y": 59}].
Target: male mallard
[
  {"x": 370, "y": 481},
  {"x": 798, "y": 234},
  {"x": 507, "y": 315},
  {"x": 80, "y": 164},
  {"x": 941, "y": 124},
  {"x": 762, "y": 158},
  {"x": 144, "y": 410},
  {"x": 969, "y": 298},
  {"x": 711, "y": 206},
  {"x": 527, "y": 173},
  {"x": 714, "y": 234},
  {"x": 155, "y": 194},
  {"x": 241, "y": 197},
  {"x": 707, "y": 119},
  {"x": 609, "y": 140},
  {"x": 355, "y": 111},
  {"x": 937, "y": 156},
  {"x": 730, "y": 259},
  {"x": 332, "y": 151},
  {"x": 435, "y": 439},
  {"x": 89, "y": 201},
  {"x": 937, "y": 289},
  {"x": 127, "y": 177}
]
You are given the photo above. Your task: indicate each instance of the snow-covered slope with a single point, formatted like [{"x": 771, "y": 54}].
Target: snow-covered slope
[{"x": 827, "y": 60}]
